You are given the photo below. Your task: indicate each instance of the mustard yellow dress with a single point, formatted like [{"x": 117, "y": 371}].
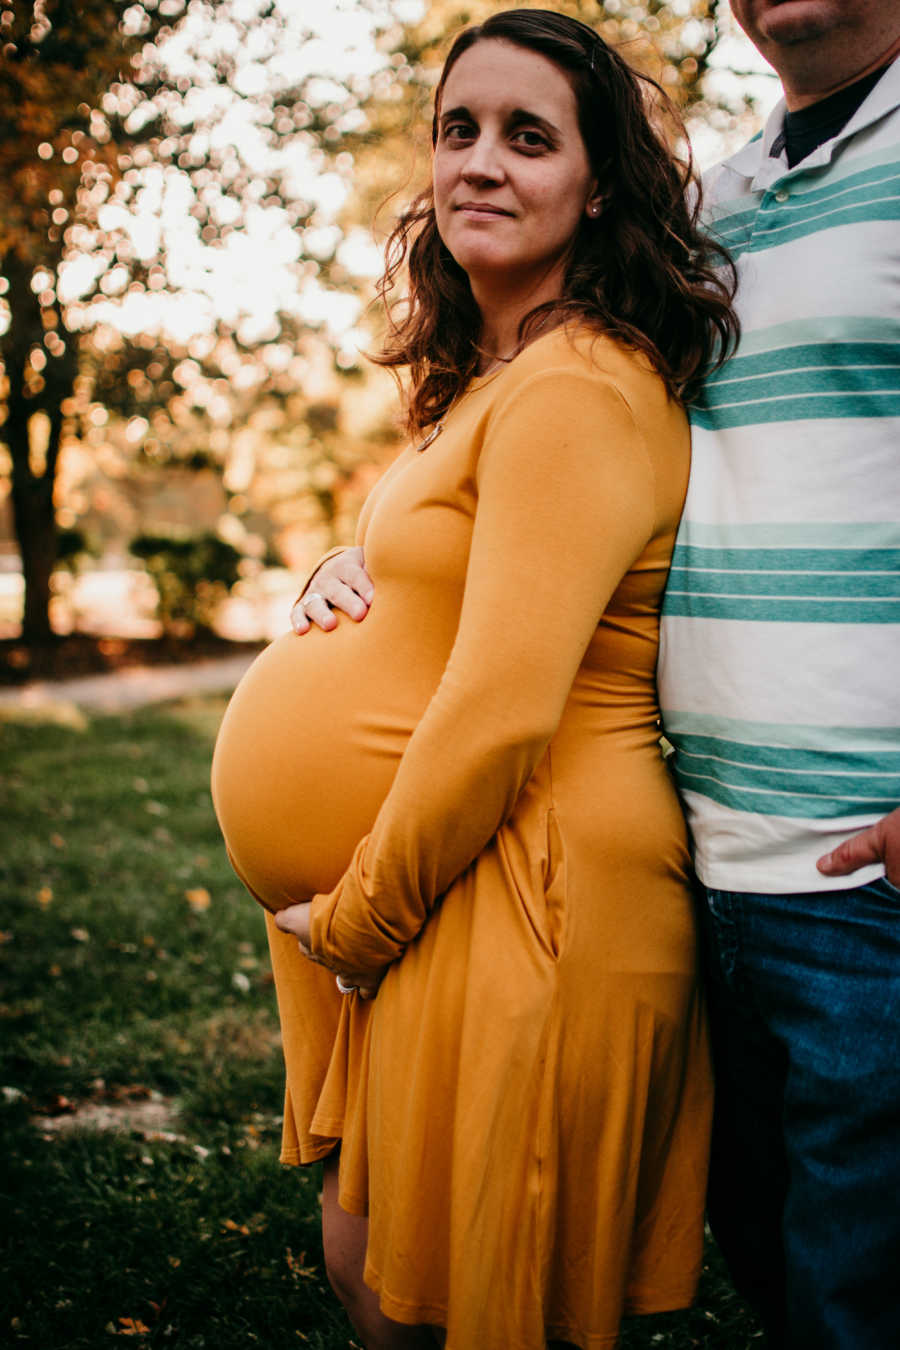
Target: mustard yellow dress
[{"x": 469, "y": 783}]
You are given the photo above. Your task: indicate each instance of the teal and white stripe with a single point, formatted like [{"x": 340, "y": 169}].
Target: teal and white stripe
[
  {"x": 776, "y": 770},
  {"x": 789, "y": 579},
  {"x": 794, "y": 372},
  {"x": 780, "y": 647}
]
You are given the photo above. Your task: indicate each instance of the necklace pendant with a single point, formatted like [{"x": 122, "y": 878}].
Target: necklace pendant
[{"x": 431, "y": 437}]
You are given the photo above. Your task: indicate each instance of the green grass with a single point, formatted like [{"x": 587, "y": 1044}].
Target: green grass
[{"x": 134, "y": 971}]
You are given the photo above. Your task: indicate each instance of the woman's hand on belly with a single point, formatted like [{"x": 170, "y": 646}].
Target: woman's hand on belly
[
  {"x": 295, "y": 919},
  {"x": 343, "y": 583}
]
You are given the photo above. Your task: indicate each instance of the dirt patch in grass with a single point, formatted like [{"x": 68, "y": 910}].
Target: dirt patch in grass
[
  {"x": 232, "y": 1034},
  {"x": 152, "y": 1118}
]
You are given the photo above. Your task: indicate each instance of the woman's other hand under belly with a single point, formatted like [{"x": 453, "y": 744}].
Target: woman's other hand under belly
[{"x": 295, "y": 919}]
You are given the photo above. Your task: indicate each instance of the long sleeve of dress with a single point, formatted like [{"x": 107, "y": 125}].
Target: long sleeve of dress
[{"x": 566, "y": 503}]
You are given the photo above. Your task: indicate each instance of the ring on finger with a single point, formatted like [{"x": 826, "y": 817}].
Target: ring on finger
[
  {"x": 344, "y": 987},
  {"x": 313, "y": 595}
]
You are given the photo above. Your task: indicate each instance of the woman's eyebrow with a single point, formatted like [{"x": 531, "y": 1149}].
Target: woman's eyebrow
[
  {"x": 522, "y": 115},
  {"x": 516, "y": 118},
  {"x": 462, "y": 112}
]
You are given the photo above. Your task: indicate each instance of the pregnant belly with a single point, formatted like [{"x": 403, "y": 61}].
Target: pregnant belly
[{"x": 305, "y": 756}]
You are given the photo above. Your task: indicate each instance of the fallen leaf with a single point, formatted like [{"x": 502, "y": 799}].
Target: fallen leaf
[
  {"x": 297, "y": 1266},
  {"x": 44, "y": 896},
  {"x": 132, "y": 1326},
  {"x": 199, "y": 898},
  {"x": 81, "y": 934}
]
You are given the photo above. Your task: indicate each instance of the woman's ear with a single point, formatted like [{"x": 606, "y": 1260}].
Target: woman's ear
[{"x": 594, "y": 206}]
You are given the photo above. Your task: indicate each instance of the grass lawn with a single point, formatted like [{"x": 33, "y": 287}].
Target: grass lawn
[{"x": 136, "y": 988}]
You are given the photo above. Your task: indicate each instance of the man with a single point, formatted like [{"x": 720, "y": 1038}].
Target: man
[
  {"x": 780, "y": 689},
  {"x": 779, "y": 685}
]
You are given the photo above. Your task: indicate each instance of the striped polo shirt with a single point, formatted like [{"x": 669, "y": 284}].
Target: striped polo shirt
[{"x": 780, "y": 647}]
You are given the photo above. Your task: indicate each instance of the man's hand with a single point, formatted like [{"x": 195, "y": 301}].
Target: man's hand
[
  {"x": 295, "y": 919},
  {"x": 340, "y": 583},
  {"x": 879, "y": 843}
]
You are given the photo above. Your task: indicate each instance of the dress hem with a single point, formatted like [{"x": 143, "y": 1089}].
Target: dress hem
[
  {"x": 307, "y": 1154},
  {"x": 635, "y": 1305}
]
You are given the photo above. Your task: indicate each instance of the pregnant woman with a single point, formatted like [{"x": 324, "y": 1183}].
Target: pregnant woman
[{"x": 460, "y": 802}]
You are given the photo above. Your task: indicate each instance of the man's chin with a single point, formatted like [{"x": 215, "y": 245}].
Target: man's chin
[{"x": 795, "y": 21}]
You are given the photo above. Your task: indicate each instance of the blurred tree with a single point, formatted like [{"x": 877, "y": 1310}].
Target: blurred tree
[
  {"x": 139, "y": 143},
  {"x": 58, "y": 60}
]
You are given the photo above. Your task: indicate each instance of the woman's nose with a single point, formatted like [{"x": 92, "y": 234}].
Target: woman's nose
[{"x": 483, "y": 163}]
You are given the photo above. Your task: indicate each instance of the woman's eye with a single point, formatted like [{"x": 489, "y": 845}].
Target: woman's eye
[
  {"x": 458, "y": 131},
  {"x": 530, "y": 140}
]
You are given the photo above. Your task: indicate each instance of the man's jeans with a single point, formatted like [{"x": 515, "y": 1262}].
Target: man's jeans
[{"x": 805, "y": 1182}]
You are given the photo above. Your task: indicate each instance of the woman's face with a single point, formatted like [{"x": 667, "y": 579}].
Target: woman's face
[{"x": 512, "y": 179}]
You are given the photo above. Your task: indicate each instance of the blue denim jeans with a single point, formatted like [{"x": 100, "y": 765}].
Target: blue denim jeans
[{"x": 805, "y": 1179}]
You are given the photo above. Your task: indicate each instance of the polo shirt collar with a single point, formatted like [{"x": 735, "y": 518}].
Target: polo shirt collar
[{"x": 754, "y": 161}]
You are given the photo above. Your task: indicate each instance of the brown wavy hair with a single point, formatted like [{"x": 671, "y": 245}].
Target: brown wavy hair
[{"x": 643, "y": 271}]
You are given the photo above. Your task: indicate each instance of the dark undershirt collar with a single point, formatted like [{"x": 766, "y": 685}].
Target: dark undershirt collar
[{"x": 806, "y": 129}]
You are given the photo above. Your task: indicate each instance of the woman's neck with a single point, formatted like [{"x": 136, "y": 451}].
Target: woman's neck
[
  {"x": 500, "y": 342},
  {"x": 501, "y": 320}
]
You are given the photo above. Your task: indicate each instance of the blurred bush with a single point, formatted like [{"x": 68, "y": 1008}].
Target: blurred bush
[
  {"x": 73, "y": 547},
  {"x": 192, "y": 574}
]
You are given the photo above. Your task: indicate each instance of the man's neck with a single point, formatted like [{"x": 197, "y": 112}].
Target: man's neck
[{"x": 804, "y": 87}]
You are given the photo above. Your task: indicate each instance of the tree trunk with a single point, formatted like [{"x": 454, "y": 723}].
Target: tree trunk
[
  {"x": 36, "y": 532},
  {"x": 34, "y": 515}
]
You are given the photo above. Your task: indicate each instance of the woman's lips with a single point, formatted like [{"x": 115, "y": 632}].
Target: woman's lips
[{"x": 481, "y": 209}]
